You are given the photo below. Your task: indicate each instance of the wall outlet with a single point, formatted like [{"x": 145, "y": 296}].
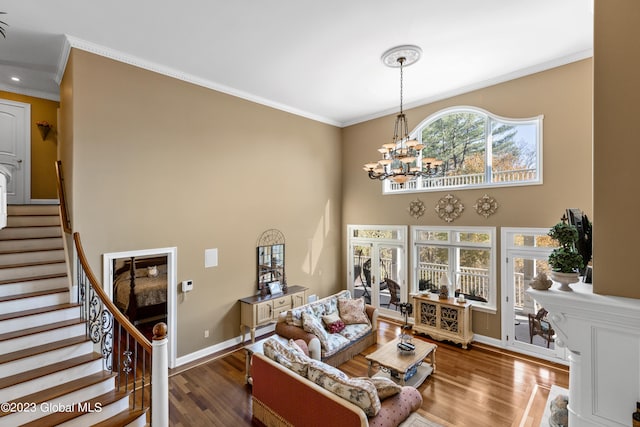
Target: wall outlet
[
  {"x": 187, "y": 285},
  {"x": 206, "y": 333}
]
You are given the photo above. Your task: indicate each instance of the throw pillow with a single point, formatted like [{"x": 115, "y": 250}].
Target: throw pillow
[
  {"x": 334, "y": 323},
  {"x": 312, "y": 324},
  {"x": 352, "y": 311},
  {"x": 385, "y": 386},
  {"x": 286, "y": 356},
  {"x": 299, "y": 345},
  {"x": 358, "y": 391}
]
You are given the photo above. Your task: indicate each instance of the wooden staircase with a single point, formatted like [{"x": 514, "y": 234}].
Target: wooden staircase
[{"x": 50, "y": 372}]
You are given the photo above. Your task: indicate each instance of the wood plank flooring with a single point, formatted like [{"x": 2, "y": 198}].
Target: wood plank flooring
[{"x": 482, "y": 386}]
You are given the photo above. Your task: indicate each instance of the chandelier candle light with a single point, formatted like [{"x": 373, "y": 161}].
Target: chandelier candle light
[{"x": 402, "y": 158}]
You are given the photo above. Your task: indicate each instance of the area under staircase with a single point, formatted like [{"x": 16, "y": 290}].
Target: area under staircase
[{"x": 50, "y": 373}]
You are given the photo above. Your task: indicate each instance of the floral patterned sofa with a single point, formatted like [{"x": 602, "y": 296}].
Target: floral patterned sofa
[
  {"x": 335, "y": 328},
  {"x": 292, "y": 389}
]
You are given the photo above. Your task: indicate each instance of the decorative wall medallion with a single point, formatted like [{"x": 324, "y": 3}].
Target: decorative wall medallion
[
  {"x": 486, "y": 206},
  {"x": 449, "y": 208},
  {"x": 416, "y": 208}
]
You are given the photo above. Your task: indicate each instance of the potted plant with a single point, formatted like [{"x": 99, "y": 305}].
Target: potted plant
[{"x": 565, "y": 261}]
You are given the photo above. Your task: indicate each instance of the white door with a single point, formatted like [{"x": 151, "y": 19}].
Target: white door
[
  {"x": 525, "y": 325},
  {"x": 15, "y": 149},
  {"x": 377, "y": 265}
]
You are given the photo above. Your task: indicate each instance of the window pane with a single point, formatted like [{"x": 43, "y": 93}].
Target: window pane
[
  {"x": 534, "y": 241},
  {"x": 474, "y": 237},
  {"x": 459, "y": 141},
  {"x": 433, "y": 262},
  {"x": 376, "y": 234},
  {"x": 425, "y": 236},
  {"x": 514, "y": 151},
  {"x": 473, "y": 276}
]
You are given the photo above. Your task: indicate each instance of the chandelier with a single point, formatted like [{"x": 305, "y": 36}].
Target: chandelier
[{"x": 402, "y": 158}]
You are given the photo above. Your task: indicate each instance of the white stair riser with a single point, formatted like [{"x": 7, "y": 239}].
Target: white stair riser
[
  {"x": 30, "y": 232},
  {"x": 16, "y": 273},
  {"x": 28, "y": 341},
  {"x": 105, "y": 413},
  {"x": 34, "y": 302},
  {"x": 32, "y": 257},
  {"x": 11, "y": 393},
  {"x": 141, "y": 421},
  {"x": 26, "y": 322},
  {"x": 32, "y": 221},
  {"x": 31, "y": 244},
  {"x": 33, "y": 210},
  {"x": 48, "y": 358},
  {"x": 33, "y": 286},
  {"x": 43, "y": 409}
]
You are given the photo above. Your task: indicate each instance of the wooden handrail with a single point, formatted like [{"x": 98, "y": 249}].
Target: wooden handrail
[
  {"x": 121, "y": 318},
  {"x": 64, "y": 212}
]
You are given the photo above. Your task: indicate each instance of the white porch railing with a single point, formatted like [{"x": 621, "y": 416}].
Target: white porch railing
[
  {"x": 470, "y": 281},
  {"x": 520, "y": 175}
]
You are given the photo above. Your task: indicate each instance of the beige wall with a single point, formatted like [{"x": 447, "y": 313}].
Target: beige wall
[
  {"x": 563, "y": 95},
  {"x": 616, "y": 147},
  {"x": 43, "y": 153},
  {"x": 158, "y": 162}
]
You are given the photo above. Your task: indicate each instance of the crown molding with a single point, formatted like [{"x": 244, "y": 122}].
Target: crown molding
[
  {"x": 74, "y": 42},
  {"x": 523, "y": 72},
  {"x": 30, "y": 92}
]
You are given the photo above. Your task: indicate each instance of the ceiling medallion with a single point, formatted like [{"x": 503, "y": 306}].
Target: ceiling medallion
[
  {"x": 416, "y": 208},
  {"x": 449, "y": 208},
  {"x": 486, "y": 206}
]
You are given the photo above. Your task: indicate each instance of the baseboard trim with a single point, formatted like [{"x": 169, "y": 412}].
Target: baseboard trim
[{"x": 220, "y": 347}]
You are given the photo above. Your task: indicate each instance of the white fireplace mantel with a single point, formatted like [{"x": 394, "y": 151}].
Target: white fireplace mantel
[{"x": 603, "y": 336}]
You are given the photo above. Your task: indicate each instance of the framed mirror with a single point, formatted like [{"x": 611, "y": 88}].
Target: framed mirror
[{"x": 270, "y": 260}]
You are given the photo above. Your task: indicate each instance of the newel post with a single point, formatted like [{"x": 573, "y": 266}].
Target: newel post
[{"x": 160, "y": 377}]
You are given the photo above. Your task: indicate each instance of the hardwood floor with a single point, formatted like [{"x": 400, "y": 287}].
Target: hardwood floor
[{"x": 482, "y": 386}]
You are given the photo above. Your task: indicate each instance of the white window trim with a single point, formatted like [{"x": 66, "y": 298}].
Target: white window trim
[
  {"x": 416, "y": 133},
  {"x": 491, "y": 305}
]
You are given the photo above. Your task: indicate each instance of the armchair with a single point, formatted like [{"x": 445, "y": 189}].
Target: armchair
[{"x": 538, "y": 325}]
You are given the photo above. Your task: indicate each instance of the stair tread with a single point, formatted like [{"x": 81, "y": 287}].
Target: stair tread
[
  {"x": 65, "y": 388},
  {"x": 28, "y": 279},
  {"x": 48, "y": 369},
  {"x": 53, "y": 247},
  {"x": 40, "y": 310},
  {"x": 122, "y": 419},
  {"x": 60, "y": 417},
  {"x": 32, "y": 264},
  {"x": 33, "y": 294},
  {"x": 39, "y": 329},
  {"x": 32, "y": 351}
]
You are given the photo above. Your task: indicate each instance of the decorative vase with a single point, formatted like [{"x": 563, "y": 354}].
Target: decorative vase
[{"x": 565, "y": 279}]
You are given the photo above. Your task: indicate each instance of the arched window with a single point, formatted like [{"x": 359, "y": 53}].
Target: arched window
[{"x": 477, "y": 149}]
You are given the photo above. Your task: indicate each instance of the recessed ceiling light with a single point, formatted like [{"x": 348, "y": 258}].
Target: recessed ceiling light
[{"x": 15, "y": 79}]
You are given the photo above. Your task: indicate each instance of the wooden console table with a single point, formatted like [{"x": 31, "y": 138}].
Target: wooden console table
[
  {"x": 443, "y": 319},
  {"x": 260, "y": 310}
]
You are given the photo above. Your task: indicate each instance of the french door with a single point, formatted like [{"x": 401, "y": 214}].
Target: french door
[
  {"x": 525, "y": 325},
  {"x": 377, "y": 265}
]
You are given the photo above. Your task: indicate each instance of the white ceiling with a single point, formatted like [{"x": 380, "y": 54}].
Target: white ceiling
[{"x": 318, "y": 59}]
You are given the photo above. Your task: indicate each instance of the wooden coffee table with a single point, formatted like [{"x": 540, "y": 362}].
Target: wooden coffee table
[{"x": 398, "y": 365}]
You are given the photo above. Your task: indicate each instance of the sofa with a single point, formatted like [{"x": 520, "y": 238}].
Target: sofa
[
  {"x": 310, "y": 322},
  {"x": 291, "y": 389}
]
